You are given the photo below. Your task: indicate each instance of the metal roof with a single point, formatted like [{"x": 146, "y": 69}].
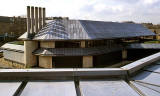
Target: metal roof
[
  {"x": 108, "y": 87},
  {"x": 90, "y": 30},
  {"x": 13, "y": 47},
  {"x": 9, "y": 88},
  {"x": 114, "y": 29},
  {"x": 75, "y": 51},
  {"x": 52, "y": 88},
  {"x": 143, "y": 46},
  {"x": 147, "y": 82}
]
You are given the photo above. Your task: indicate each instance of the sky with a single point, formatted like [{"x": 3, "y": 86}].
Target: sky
[{"x": 102, "y": 10}]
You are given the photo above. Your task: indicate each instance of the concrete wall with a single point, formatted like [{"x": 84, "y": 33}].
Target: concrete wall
[
  {"x": 30, "y": 59},
  {"x": 48, "y": 44},
  {"x": 45, "y": 61},
  {"x": 14, "y": 56}
]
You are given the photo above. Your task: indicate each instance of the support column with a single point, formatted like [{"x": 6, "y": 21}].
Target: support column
[
  {"x": 30, "y": 59},
  {"x": 46, "y": 61},
  {"x": 87, "y": 60},
  {"x": 124, "y": 54},
  {"x": 83, "y": 44}
]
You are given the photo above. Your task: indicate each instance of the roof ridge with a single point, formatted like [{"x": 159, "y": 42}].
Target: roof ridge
[{"x": 83, "y": 27}]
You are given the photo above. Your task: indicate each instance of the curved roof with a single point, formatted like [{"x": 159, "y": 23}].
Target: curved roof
[{"x": 90, "y": 30}]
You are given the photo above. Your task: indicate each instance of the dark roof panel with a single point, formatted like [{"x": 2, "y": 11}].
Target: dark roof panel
[
  {"x": 114, "y": 29},
  {"x": 90, "y": 30}
]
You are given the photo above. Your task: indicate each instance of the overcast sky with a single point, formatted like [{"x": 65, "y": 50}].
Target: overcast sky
[{"x": 107, "y": 10}]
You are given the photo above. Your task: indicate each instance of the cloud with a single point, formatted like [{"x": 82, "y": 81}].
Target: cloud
[
  {"x": 150, "y": 1},
  {"x": 108, "y": 10}
]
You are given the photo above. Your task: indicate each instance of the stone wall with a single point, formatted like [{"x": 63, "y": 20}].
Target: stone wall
[{"x": 10, "y": 64}]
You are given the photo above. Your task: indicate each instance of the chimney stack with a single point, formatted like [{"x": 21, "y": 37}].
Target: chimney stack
[
  {"x": 28, "y": 20},
  {"x": 44, "y": 16},
  {"x": 40, "y": 18},
  {"x": 32, "y": 20},
  {"x": 35, "y": 19}
]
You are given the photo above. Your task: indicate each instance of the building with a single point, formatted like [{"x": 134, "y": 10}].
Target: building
[
  {"x": 153, "y": 28},
  {"x": 71, "y": 43}
]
